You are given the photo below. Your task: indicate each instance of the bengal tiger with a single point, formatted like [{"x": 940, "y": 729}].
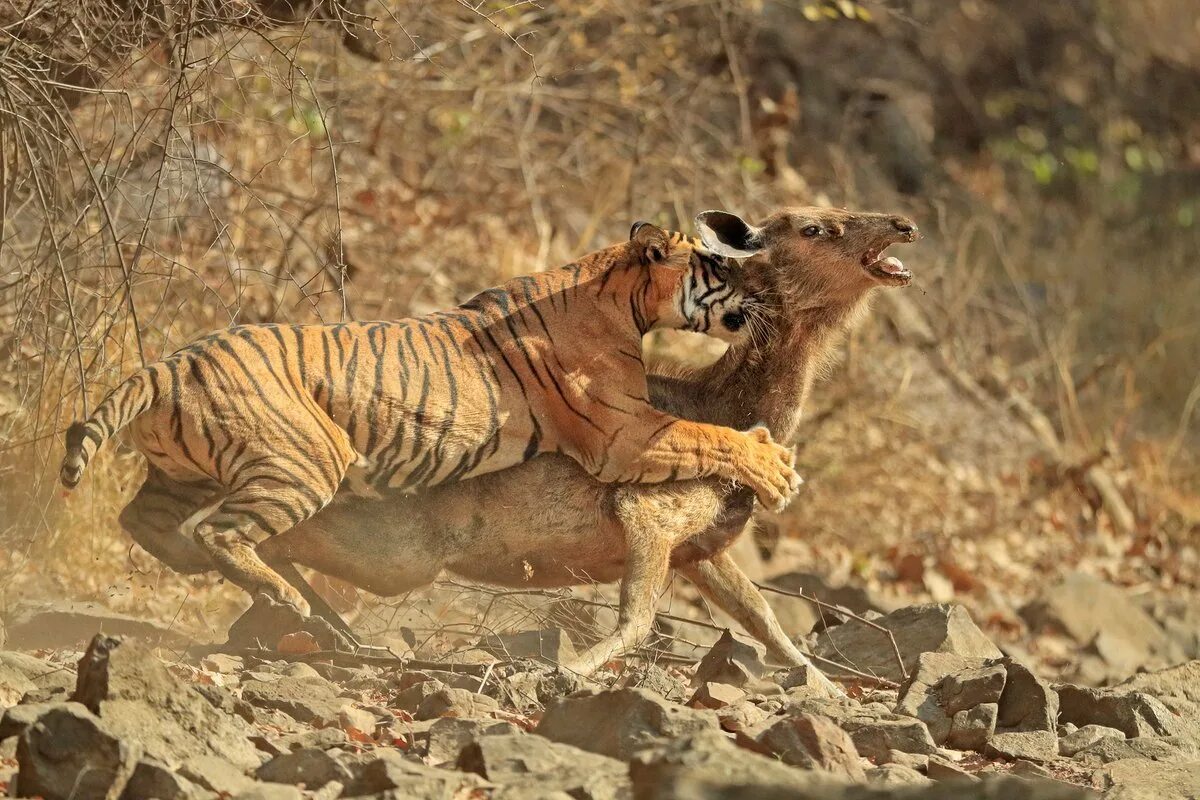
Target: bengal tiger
[{"x": 261, "y": 424}]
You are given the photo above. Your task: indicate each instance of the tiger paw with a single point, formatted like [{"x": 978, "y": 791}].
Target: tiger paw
[{"x": 771, "y": 474}]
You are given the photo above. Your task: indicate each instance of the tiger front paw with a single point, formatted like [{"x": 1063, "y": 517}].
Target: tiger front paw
[{"x": 771, "y": 474}]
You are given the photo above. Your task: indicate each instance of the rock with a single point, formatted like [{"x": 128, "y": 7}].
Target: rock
[
  {"x": 268, "y": 621},
  {"x": 707, "y": 765},
  {"x": 18, "y": 718},
  {"x": 456, "y": 703},
  {"x": 853, "y": 599},
  {"x": 358, "y": 723},
  {"x": 65, "y": 624},
  {"x": 1181, "y": 682},
  {"x": 552, "y": 646},
  {"x": 945, "y": 685},
  {"x": 1029, "y": 745},
  {"x": 934, "y": 628},
  {"x": 875, "y": 733},
  {"x": 532, "y": 762},
  {"x": 939, "y": 769},
  {"x": 70, "y": 753},
  {"x": 531, "y": 688},
  {"x": 151, "y": 779},
  {"x": 1091, "y": 611},
  {"x": 269, "y": 791},
  {"x": 409, "y": 699},
  {"x": 127, "y": 686},
  {"x": 321, "y": 739},
  {"x": 1136, "y": 779},
  {"x": 972, "y": 687},
  {"x": 741, "y": 716},
  {"x": 222, "y": 664},
  {"x": 13, "y": 685},
  {"x": 716, "y": 695},
  {"x": 216, "y": 774},
  {"x": 448, "y": 736},
  {"x": 1134, "y": 713},
  {"x": 314, "y": 768},
  {"x": 1165, "y": 749},
  {"x": 313, "y": 700},
  {"x": 1028, "y": 769},
  {"x": 810, "y": 742},
  {"x": 1027, "y": 704},
  {"x": 890, "y": 775},
  {"x": 651, "y": 677},
  {"x": 731, "y": 661},
  {"x": 971, "y": 729},
  {"x": 388, "y": 770},
  {"x": 616, "y": 723}
]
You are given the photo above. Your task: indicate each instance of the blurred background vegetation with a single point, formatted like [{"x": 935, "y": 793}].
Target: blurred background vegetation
[{"x": 170, "y": 167}]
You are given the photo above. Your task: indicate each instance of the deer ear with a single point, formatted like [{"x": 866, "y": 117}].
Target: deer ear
[
  {"x": 728, "y": 234},
  {"x": 652, "y": 242}
]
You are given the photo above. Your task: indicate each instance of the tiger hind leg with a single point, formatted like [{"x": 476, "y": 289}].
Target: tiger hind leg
[
  {"x": 249, "y": 515},
  {"x": 157, "y": 519}
]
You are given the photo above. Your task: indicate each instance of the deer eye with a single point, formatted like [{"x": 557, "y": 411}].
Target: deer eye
[{"x": 812, "y": 230}]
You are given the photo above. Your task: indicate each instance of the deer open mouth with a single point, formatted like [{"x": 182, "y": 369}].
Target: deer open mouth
[{"x": 886, "y": 269}]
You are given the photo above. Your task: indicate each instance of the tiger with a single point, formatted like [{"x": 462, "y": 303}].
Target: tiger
[{"x": 259, "y": 426}]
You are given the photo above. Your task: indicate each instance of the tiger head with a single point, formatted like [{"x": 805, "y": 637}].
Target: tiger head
[{"x": 710, "y": 297}]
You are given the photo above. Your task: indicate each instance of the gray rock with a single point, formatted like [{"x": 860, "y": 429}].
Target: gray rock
[
  {"x": 716, "y": 695},
  {"x": 321, "y": 739},
  {"x": 1164, "y": 749},
  {"x": 532, "y": 762},
  {"x": 313, "y": 700},
  {"x": 448, "y": 736},
  {"x": 18, "y": 718},
  {"x": 1137, "y": 779},
  {"x": 553, "y": 645},
  {"x": 389, "y": 771},
  {"x": 1027, "y": 703},
  {"x": 1176, "y": 683},
  {"x": 972, "y": 687},
  {"x": 892, "y": 775},
  {"x": 935, "y": 628},
  {"x": 151, "y": 779},
  {"x": 1084, "y": 738},
  {"x": 531, "y": 688},
  {"x": 140, "y": 700},
  {"x": 707, "y": 765},
  {"x": 70, "y": 753},
  {"x": 66, "y": 624},
  {"x": 616, "y": 723},
  {"x": 972, "y": 728},
  {"x": 216, "y": 774},
  {"x": 455, "y": 703},
  {"x": 877, "y": 733},
  {"x": 811, "y": 742},
  {"x": 940, "y": 769},
  {"x": 1133, "y": 713},
  {"x": 309, "y": 766},
  {"x": 1029, "y": 745},
  {"x": 268, "y": 791},
  {"x": 945, "y": 684},
  {"x": 648, "y": 676},
  {"x": 731, "y": 661},
  {"x": 410, "y": 698},
  {"x": 1092, "y": 611}
]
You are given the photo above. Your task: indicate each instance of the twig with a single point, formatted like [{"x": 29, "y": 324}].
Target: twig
[{"x": 843, "y": 613}]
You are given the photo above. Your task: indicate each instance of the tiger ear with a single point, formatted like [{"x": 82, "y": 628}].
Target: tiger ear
[
  {"x": 729, "y": 235},
  {"x": 651, "y": 242}
]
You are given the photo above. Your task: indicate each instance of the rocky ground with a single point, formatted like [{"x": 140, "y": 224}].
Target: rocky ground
[{"x": 933, "y": 709}]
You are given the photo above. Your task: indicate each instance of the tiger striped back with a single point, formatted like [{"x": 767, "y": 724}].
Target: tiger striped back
[{"x": 264, "y": 422}]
